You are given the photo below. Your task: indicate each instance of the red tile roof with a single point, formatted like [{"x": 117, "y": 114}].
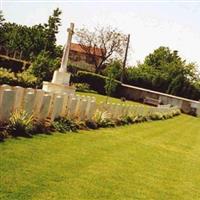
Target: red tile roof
[{"x": 78, "y": 48}]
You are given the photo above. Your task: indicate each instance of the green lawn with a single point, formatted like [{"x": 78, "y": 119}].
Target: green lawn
[
  {"x": 152, "y": 160},
  {"x": 100, "y": 98}
]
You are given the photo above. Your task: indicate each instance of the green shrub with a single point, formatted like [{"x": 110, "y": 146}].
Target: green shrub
[
  {"x": 139, "y": 119},
  {"x": 156, "y": 116},
  {"x": 91, "y": 124},
  {"x": 43, "y": 67},
  {"x": 42, "y": 126},
  {"x": 176, "y": 112},
  {"x": 3, "y": 131},
  {"x": 106, "y": 123},
  {"x": 95, "y": 81},
  {"x": 63, "y": 125},
  {"x": 127, "y": 120},
  {"x": 168, "y": 115},
  {"x": 118, "y": 122},
  {"x": 25, "y": 79},
  {"x": 20, "y": 124},
  {"x": 3, "y": 135},
  {"x": 81, "y": 125},
  {"x": 7, "y": 77}
]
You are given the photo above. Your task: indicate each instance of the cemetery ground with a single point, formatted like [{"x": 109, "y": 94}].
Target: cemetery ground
[
  {"x": 102, "y": 98},
  {"x": 151, "y": 160}
]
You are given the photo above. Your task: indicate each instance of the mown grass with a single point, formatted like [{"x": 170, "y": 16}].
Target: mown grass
[
  {"x": 102, "y": 98},
  {"x": 152, "y": 160}
]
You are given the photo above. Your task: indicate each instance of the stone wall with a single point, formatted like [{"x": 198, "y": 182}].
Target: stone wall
[{"x": 139, "y": 94}]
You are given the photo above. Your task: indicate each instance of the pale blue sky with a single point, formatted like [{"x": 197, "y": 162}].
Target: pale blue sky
[{"x": 151, "y": 24}]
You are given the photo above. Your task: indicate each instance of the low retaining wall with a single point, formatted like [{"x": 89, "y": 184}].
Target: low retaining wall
[{"x": 138, "y": 94}]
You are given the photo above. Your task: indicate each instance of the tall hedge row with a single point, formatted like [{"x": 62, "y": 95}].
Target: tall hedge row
[{"x": 97, "y": 82}]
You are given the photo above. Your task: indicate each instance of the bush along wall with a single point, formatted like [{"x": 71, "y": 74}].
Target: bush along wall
[
  {"x": 24, "y": 124},
  {"x": 95, "y": 81},
  {"x": 26, "y": 111}
]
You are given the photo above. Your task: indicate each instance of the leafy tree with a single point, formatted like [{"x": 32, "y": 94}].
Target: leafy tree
[
  {"x": 109, "y": 40},
  {"x": 44, "y": 66},
  {"x": 1, "y": 18},
  {"x": 162, "y": 56},
  {"x": 32, "y": 40},
  {"x": 52, "y": 26},
  {"x": 114, "y": 66},
  {"x": 111, "y": 83},
  {"x": 2, "y": 21},
  {"x": 165, "y": 71}
]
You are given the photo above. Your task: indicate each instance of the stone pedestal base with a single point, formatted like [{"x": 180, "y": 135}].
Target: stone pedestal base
[
  {"x": 59, "y": 84},
  {"x": 60, "y": 77},
  {"x": 58, "y": 88}
]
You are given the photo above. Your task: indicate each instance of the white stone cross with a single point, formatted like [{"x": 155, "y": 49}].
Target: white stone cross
[{"x": 63, "y": 67}]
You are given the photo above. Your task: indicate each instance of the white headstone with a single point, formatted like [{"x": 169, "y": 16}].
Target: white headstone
[
  {"x": 19, "y": 97},
  {"x": 29, "y": 100},
  {"x": 38, "y": 102},
  {"x": 45, "y": 107},
  {"x": 57, "y": 107},
  {"x": 91, "y": 110},
  {"x": 7, "y": 104}
]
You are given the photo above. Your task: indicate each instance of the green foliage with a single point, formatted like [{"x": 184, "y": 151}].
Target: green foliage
[
  {"x": 103, "y": 119},
  {"x": 106, "y": 123},
  {"x": 127, "y": 120},
  {"x": 156, "y": 116},
  {"x": 44, "y": 66},
  {"x": 82, "y": 87},
  {"x": 113, "y": 72},
  {"x": 42, "y": 126},
  {"x": 3, "y": 132},
  {"x": 7, "y": 77},
  {"x": 51, "y": 29},
  {"x": 91, "y": 124},
  {"x": 165, "y": 71},
  {"x": 24, "y": 79},
  {"x": 20, "y": 124},
  {"x": 31, "y": 40},
  {"x": 111, "y": 82},
  {"x": 64, "y": 125},
  {"x": 1, "y": 18},
  {"x": 113, "y": 67},
  {"x": 96, "y": 82},
  {"x": 81, "y": 125}
]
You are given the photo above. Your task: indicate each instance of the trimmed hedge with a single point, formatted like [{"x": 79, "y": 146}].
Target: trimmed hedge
[{"x": 96, "y": 82}]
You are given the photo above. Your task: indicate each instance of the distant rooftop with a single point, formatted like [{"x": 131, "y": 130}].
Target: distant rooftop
[{"x": 80, "y": 48}]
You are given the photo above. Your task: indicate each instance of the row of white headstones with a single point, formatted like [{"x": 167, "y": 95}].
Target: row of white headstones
[{"x": 44, "y": 105}]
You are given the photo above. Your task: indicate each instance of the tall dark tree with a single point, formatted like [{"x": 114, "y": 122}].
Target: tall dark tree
[
  {"x": 51, "y": 29},
  {"x": 31, "y": 40},
  {"x": 2, "y": 20}
]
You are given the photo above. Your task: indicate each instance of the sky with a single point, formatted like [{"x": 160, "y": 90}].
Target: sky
[{"x": 175, "y": 24}]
